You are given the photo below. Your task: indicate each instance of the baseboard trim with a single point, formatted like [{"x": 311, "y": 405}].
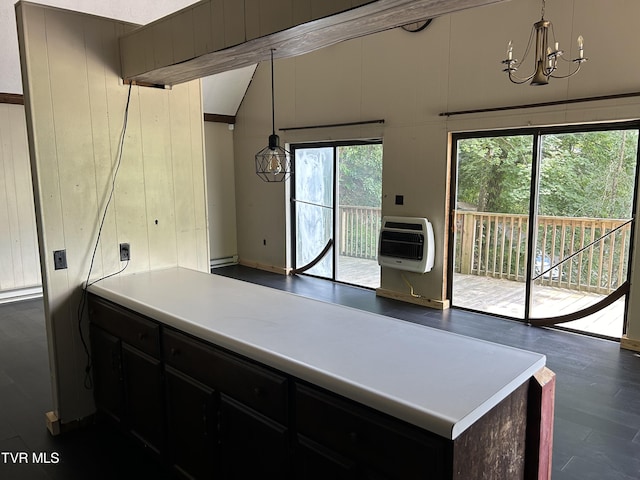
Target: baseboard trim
[
  {"x": 266, "y": 268},
  {"x": 629, "y": 344},
  {"x": 404, "y": 297},
  {"x": 19, "y": 294}
]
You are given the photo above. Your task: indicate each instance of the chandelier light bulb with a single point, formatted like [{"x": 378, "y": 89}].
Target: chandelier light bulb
[{"x": 580, "y": 46}]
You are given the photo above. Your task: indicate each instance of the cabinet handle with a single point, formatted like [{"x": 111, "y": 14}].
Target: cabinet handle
[
  {"x": 353, "y": 436},
  {"x": 257, "y": 391},
  {"x": 174, "y": 351},
  {"x": 141, "y": 336}
]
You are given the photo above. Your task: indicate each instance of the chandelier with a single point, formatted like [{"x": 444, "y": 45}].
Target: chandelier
[
  {"x": 273, "y": 163},
  {"x": 547, "y": 55}
]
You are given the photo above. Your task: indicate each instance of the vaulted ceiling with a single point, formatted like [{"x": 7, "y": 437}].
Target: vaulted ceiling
[{"x": 233, "y": 66}]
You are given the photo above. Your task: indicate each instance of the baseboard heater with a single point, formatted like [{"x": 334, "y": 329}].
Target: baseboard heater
[
  {"x": 223, "y": 262},
  {"x": 406, "y": 243}
]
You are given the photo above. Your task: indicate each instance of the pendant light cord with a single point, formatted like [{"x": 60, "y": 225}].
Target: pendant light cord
[{"x": 273, "y": 104}]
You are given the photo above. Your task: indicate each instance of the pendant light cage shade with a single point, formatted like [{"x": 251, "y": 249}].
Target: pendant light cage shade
[{"x": 273, "y": 163}]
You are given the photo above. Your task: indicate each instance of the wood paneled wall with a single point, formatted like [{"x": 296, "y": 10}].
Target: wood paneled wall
[
  {"x": 75, "y": 105},
  {"x": 19, "y": 260}
]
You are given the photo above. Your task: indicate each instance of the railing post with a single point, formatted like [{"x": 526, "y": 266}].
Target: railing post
[{"x": 466, "y": 249}]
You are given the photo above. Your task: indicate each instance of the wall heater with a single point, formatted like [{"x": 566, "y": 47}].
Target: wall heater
[{"x": 406, "y": 243}]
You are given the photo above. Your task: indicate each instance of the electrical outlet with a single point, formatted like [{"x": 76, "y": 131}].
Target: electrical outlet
[
  {"x": 125, "y": 252},
  {"x": 60, "y": 259}
]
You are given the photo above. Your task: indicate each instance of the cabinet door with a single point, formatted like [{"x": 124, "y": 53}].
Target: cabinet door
[
  {"x": 382, "y": 446},
  {"x": 252, "y": 446},
  {"x": 106, "y": 359},
  {"x": 249, "y": 383},
  {"x": 315, "y": 462},
  {"x": 192, "y": 425},
  {"x": 144, "y": 396}
]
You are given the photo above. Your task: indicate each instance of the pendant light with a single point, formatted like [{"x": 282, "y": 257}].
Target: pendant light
[{"x": 273, "y": 163}]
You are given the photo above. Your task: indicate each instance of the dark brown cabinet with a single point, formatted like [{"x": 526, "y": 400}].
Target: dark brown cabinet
[
  {"x": 316, "y": 462},
  {"x": 252, "y": 445},
  {"x": 364, "y": 442},
  {"x": 192, "y": 425},
  {"x": 249, "y": 433},
  {"x": 143, "y": 388},
  {"x": 127, "y": 372},
  {"x": 106, "y": 362},
  {"x": 212, "y": 413}
]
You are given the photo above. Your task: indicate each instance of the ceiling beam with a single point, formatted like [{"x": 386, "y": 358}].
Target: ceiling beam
[{"x": 213, "y": 36}]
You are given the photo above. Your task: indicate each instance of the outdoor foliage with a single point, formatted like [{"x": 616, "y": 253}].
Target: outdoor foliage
[
  {"x": 360, "y": 175},
  {"x": 494, "y": 174},
  {"x": 589, "y": 174}
]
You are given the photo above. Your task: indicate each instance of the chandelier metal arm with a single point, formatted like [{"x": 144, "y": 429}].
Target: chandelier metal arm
[{"x": 579, "y": 63}]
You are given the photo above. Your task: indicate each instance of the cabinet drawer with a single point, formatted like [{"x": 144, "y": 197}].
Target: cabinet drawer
[
  {"x": 131, "y": 328},
  {"x": 389, "y": 446},
  {"x": 250, "y": 384}
]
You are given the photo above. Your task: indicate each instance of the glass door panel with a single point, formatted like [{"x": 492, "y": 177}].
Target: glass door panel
[
  {"x": 491, "y": 224},
  {"x": 313, "y": 187},
  {"x": 586, "y": 192},
  {"x": 359, "y": 214}
]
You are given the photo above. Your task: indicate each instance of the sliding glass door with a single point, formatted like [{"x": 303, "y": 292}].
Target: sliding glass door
[
  {"x": 314, "y": 205},
  {"x": 337, "y": 198},
  {"x": 542, "y": 224},
  {"x": 585, "y": 205}
]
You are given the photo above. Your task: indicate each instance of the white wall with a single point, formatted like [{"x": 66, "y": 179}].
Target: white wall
[
  {"x": 218, "y": 139},
  {"x": 75, "y": 107},
  {"x": 19, "y": 261},
  {"x": 408, "y": 79}
]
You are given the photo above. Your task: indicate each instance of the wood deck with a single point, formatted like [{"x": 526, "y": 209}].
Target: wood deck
[{"x": 505, "y": 297}]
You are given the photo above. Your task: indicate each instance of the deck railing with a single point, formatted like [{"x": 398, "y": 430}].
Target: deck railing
[
  {"x": 359, "y": 230},
  {"x": 495, "y": 245}
]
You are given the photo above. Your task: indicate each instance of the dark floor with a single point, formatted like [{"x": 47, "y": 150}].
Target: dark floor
[{"x": 597, "y": 422}]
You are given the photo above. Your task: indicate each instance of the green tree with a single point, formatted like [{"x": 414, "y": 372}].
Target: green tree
[
  {"x": 360, "y": 175},
  {"x": 494, "y": 173},
  {"x": 588, "y": 174}
]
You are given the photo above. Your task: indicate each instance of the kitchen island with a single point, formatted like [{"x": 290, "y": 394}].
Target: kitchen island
[{"x": 311, "y": 388}]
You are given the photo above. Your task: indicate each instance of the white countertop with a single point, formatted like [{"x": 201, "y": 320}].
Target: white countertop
[{"x": 440, "y": 381}]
